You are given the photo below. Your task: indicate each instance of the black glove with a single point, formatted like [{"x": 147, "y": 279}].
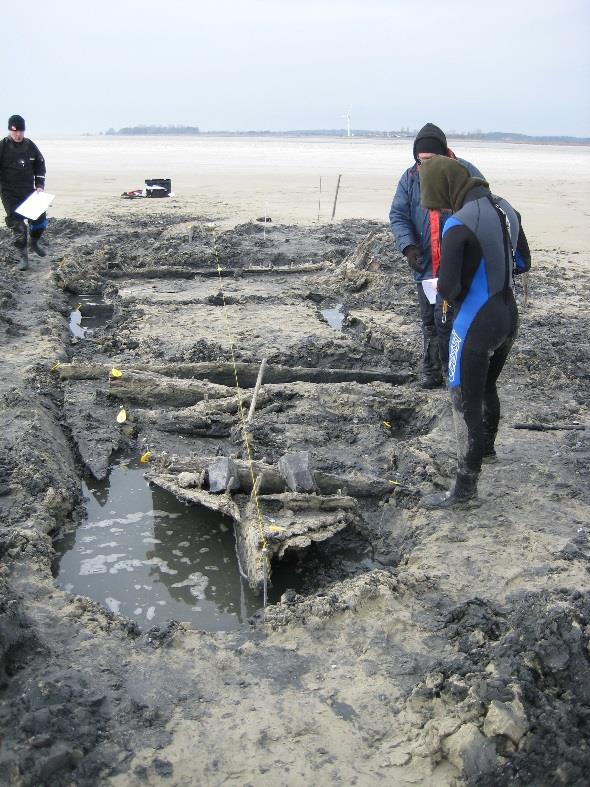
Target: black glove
[{"x": 414, "y": 258}]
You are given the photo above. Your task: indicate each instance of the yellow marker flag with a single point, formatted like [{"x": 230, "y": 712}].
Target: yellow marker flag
[
  {"x": 116, "y": 372},
  {"x": 145, "y": 458},
  {"x": 121, "y": 416}
]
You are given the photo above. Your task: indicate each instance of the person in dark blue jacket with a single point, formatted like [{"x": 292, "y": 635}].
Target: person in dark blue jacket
[
  {"x": 22, "y": 171},
  {"x": 483, "y": 247},
  {"x": 417, "y": 233}
]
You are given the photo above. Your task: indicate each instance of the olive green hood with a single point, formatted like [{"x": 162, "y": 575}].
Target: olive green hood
[{"x": 444, "y": 183}]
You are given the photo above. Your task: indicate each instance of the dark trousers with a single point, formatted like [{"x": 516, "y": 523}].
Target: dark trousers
[
  {"x": 16, "y": 223},
  {"x": 476, "y": 406},
  {"x": 436, "y": 335}
]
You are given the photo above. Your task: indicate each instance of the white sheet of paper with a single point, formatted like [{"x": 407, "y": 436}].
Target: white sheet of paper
[
  {"x": 35, "y": 204},
  {"x": 429, "y": 287}
]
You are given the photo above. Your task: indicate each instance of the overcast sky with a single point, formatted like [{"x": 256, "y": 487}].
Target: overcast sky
[{"x": 504, "y": 65}]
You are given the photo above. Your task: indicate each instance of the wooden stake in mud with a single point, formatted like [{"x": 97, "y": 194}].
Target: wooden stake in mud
[
  {"x": 265, "y": 570},
  {"x": 265, "y": 215},
  {"x": 256, "y": 389},
  {"x": 336, "y": 198}
]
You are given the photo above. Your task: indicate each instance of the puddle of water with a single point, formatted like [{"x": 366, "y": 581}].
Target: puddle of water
[
  {"x": 334, "y": 316},
  {"x": 89, "y": 314},
  {"x": 151, "y": 558}
]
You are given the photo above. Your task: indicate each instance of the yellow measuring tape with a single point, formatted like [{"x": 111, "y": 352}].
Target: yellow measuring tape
[{"x": 263, "y": 540}]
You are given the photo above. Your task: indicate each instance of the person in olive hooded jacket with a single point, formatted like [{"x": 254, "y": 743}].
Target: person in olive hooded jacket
[
  {"x": 417, "y": 233},
  {"x": 22, "y": 171},
  {"x": 483, "y": 248}
]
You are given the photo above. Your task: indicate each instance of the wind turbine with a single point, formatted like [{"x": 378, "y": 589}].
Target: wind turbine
[{"x": 347, "y": 116}]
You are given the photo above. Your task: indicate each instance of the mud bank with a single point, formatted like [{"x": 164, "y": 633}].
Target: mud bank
[{"x": 436, "y": 648}]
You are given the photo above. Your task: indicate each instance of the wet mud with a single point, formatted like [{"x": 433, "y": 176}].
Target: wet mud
[{"x": 399, "y": 646}]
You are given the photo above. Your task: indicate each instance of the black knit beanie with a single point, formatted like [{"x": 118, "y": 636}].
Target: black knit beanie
[
  {"x": 430, "y": 139},
  {"x": 16, "y": 123},
  {"x": 444, "y": 183}
]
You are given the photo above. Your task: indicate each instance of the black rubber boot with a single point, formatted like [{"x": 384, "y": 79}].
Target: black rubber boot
[
  {"x": 19, "y": 235},
  {"x": 428, "y": 381},
  {"x": 431, "y": 371},
  {"x": 464, "y": 491},
  {"x": 431, "y": 367},
  {"x": 23, "y": 262},
  {"x": 37, "y": 248},
  {"x": 489, "y": 455}
]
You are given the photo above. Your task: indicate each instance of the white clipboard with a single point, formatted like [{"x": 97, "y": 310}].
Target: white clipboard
[
  {"x": 35, "y": 204},
  {"x": 429, "y": 287}
]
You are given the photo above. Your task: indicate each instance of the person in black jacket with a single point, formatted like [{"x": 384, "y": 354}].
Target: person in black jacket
[
  {"x": 22, "y": 170},
  {"x": 417, "y": 233},
  {"x": 483, "y": 247}
]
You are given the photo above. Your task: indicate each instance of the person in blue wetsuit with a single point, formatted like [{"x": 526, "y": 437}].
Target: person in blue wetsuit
[
  {"x": 22, "y": 171},
  {"x": 483, "y": 247},
  {"x": 417, "y": 233}
]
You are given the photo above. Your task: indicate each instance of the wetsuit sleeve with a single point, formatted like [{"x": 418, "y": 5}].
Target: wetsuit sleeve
[
  {"x": 460, "y": 257},
  {"x": 400, "y": 217},
  {"x": 522, "y": 256},
  {"x": 38, "y": 167}
]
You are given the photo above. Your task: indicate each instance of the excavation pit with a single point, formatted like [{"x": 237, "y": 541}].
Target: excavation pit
[
  {"x": 393, "y": 627},
  {"x": 89, "y": 314},
  {"x": 147, "y": 556}
]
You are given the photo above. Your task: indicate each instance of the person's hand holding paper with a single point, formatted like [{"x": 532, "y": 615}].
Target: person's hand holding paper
[{"x": 430, "y": 287}]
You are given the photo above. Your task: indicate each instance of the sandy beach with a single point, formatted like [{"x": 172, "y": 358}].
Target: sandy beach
[
  {"x": 237, "y": 179},
  {"x": 141, "y": 516}
]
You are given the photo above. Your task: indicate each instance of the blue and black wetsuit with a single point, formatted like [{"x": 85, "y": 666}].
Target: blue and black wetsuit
[
  {"x": 22, "y": 170},
  {"x": 483, "y": 246}
]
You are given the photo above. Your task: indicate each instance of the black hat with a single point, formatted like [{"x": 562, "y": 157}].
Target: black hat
[
  {"x": 430, "y": 139},
  {"x": 16, "y": 123}
]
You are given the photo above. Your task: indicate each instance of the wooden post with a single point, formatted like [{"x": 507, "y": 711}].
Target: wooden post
[
  {"x": 336, "y": 198},
  {"x": 265, "y": 215},
  {"x": 256, "y": 389}
]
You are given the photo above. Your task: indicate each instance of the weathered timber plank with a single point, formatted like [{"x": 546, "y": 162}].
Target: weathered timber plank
[
  {"x": 271, "y": 482},
  {"x": 224, "y": 373}
]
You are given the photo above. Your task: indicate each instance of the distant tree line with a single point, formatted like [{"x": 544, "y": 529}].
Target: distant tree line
[
  {"x": 145, "y": 130},
  {"x": 403, "y": 133},
  {"x": 406, "y": 133},
  {"x": 511, "y": 136}
]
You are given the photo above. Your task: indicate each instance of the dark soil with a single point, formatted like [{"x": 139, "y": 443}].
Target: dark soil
[{"x": 435, "y": 648}]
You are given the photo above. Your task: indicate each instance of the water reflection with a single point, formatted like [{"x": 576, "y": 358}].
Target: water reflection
[
  {"x": 149, "y": 557},
  {"x": 335, "y": 316},
  {"x": 89, "y": 313}
]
